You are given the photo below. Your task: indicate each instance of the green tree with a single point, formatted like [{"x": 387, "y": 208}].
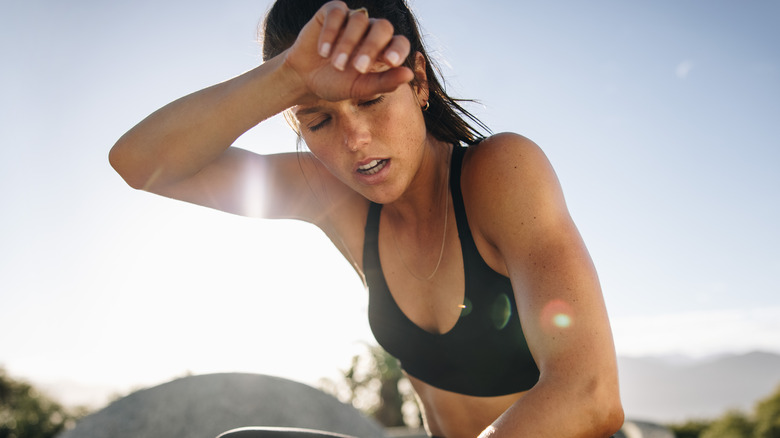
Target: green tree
[
  {"x": 375, "y": 384},
  {"x": 763, "y": 423},
  {"x": 767, "y": 424},
  {"x": 689, "y": 429},
  {"x": 26, "y": 413},
  {"x": 734, "y": 424}
]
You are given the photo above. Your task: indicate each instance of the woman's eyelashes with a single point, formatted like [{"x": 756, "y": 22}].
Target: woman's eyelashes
[
  {"x": 321, "y": 122},
  {"x": 372, "y": 101}
]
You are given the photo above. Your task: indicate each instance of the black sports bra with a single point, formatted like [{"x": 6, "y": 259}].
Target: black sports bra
[{"x": 485, "y": 353}]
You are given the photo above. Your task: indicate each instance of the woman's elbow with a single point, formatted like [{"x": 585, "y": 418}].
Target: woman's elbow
[
  {"x": 606, "y": 410},
  {"x": 613, "y": 417},
  {"x": 121, "y": 159}
]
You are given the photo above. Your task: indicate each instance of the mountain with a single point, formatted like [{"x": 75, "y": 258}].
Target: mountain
[{"x": 670, "y": 391}]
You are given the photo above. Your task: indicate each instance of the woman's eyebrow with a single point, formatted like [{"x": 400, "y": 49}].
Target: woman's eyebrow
[{"x": 309, "y": 110}]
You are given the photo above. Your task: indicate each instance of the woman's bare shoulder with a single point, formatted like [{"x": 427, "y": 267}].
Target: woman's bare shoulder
[
  {"x": 507, "y": 179},
  {"x": 502, "y": 161},
  {"x": 499, "y": 146}
]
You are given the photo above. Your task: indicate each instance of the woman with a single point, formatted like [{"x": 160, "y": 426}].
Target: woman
[{"x": 458, "y": 245}]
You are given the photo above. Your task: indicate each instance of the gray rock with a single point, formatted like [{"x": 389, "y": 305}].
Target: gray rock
[{"x": 205, "y": 406}]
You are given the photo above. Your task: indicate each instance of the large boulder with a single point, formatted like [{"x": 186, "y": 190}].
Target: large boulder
[{"x": 205, "y": 406}]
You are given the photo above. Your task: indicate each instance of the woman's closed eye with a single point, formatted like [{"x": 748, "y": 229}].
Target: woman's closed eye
[
  {"x": 372, "y": 101},
  {"x": 321, "y": 122}
]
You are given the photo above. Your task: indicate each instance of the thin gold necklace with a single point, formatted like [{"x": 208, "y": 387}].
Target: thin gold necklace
[{"x": 443, "y": 238}]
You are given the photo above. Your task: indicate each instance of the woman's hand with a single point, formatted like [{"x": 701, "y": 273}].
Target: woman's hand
[{"x": 344, "y": 54}]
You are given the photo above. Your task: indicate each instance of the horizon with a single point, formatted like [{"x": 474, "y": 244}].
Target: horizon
[{"x": 95, "y": 397}]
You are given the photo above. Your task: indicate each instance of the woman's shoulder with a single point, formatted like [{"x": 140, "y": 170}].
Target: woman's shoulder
[
  {"x": 504, "y": 158},
  {"x": 510, "y": 193},
  {"x": 507, "y": 177}
]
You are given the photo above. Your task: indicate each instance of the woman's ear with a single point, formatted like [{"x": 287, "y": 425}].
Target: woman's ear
[{"x": 420, "y": 84}]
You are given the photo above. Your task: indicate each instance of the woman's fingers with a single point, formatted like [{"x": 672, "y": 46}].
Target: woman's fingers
[
  {"x": 343, "y": 53},
  {"x": 351, "y": 36},
  {"x": 332, "y": 16},
  {"x": 397, "y": 51},
  {"x": 379, "y": 35}
]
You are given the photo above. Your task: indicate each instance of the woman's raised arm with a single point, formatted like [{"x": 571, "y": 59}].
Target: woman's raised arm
[{"x": 183, "y": 149}]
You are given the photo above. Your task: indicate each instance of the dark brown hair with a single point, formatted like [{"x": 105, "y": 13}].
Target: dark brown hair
[{"x": 445, "y": 119}]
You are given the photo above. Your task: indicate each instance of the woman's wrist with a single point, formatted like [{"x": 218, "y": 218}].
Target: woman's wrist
[
  {"x": 263, "y": 92},
  {"x": 282, "y": 86}
]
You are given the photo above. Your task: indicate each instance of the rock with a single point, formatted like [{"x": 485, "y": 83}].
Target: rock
[{"x": 207, "y": 405}]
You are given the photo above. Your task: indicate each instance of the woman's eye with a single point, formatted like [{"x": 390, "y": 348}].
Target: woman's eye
[
  {"x": 373, "y": 101},
  {"x": 319, "y": 125}
]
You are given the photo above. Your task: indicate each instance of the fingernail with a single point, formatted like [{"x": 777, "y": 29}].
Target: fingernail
[
  {"x": 361, "y": 64},
  {"x": 341, "y": 61},
  {"x": 325, "y": 50},
  {"x": 393, "y": 57}
]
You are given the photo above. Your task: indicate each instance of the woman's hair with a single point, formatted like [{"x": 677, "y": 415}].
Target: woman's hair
[{"x": 445, "y": 119}]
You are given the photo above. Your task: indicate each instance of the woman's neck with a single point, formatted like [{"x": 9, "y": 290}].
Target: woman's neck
[{"x": 424, "y": 202}]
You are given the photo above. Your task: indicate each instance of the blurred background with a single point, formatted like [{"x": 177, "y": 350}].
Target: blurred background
[{"x": 659, "y": 117}]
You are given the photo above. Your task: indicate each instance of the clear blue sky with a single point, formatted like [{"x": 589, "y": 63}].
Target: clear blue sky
[{"x": 660, "y": 118}]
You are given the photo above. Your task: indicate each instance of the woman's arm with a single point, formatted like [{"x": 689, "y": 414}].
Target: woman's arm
[
  {"x": 183, "y": 149},
  {"x": 522, "y": 213}
]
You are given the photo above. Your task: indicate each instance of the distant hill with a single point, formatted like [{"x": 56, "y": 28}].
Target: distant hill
[{"x": 665, "y": 391}]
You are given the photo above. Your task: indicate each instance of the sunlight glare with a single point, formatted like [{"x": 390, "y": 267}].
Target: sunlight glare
[
  {"x": 557, "y": 314},
  {"x": 253, "y": 193},
  {"x": 562, "y": 320}
]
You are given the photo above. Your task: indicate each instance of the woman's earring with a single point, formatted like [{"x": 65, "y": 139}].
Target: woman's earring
[{"x": 427, "y": 105}]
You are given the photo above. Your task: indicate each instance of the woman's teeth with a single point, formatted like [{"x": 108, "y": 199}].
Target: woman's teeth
[{"x": 372, "y": 167}]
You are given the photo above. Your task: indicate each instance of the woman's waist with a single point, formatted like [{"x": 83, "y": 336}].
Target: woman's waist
[{"x": 452, "y": 415}]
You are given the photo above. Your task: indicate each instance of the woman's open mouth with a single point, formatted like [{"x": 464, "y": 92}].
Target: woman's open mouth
[{"x": 373, "y": 167}]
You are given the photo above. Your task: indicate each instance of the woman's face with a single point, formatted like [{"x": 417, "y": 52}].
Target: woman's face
[{"x": 374, "y": 145}]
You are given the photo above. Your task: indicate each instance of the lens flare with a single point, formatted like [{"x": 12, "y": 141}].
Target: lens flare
[
  {"x": 465, "y": 308},
  {"x": 562, "y": 320},
  {"x": 501, "y": 311},
  {"x": 557, "y": 314}
]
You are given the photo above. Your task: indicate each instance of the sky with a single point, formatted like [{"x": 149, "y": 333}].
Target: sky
[{"x": 659, "y": 118}]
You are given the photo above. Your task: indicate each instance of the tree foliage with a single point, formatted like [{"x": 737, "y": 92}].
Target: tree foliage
[
  {"x": 690, "y": 429},
  {"x": 767, "y": 424},
  {"x": 26, "y": 413},
  {"x": 375, "y": 384},
  {"x": 734, "y": 424},
  {"x": 764, "y": 422}
]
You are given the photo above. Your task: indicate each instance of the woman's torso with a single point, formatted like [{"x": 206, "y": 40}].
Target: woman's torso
[{"x": 434, "y": 306}]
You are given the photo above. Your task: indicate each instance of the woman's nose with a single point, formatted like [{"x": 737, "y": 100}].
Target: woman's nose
[{"x": 356, "y": 133}]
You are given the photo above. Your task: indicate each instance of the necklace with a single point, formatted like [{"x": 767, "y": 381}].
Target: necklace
[{"x": 443, "y": 238}]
